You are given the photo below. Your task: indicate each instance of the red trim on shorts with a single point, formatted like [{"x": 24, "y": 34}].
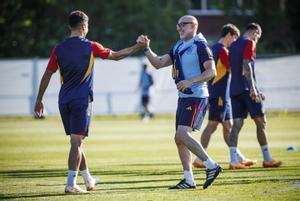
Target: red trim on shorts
[
  {"x": 83, "y": 133},
  {"x": 196, "y": 109}
]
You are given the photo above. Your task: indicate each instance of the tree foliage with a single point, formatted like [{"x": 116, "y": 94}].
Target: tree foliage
[{"x": 33, "y": 27}]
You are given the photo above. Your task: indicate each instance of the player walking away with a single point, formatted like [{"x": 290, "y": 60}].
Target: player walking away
[
  {"x": 74, "y": 58},
  {"x": 193, "y": 66},
  {"x": 146, "y": 81},
  {"x": 245, "y": 97},
  {"x": 219, "y": 97}
]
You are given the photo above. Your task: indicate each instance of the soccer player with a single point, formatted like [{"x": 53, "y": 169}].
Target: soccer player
[
  {"x": 219, "y": 98},
  {"x": 245, "y": 97},
  {"x": 193, "y": 66},
  {"x": 74, "y": 58},
  {"x": 146, "y": 81}
]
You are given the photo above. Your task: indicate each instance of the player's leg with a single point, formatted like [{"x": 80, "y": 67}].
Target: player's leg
[
  {"x": 74, "y": 161},
  {"x": 89, "y": 180},
  {"x": 185, "y": 158},
  {"x": 227, "y": 126},
  {"x": 83, "y": 123},
  {"x": 71, "y": 186},
  {"x": 256, "y": 112},
  {"x": 239, "y": 113},
  {"x": 205, "y": 138},
  {"x": 184, "y": 154},
  {"x": 190, "y": 117},
  {"x": 208, "y": 130}
]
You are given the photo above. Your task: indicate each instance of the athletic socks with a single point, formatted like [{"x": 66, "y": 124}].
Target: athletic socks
[
  {"x": 210, "y": 164},
  {"x": 189, "y": 178},
  {"x": 266, "y": 153},
  {"x": 240, "y": 156},
  {"x": 86, "y": 175},
  {"x": 197, "y": 159},
  {"x": 233, "y": 155},
  {"x": 72, "y": 175}
]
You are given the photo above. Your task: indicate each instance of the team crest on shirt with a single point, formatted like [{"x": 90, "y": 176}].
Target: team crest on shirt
[
  {"x": 189, "y": 51},
  {"x": 189, "y": 108}
]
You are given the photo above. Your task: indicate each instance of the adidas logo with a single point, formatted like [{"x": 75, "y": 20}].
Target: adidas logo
[{"x": 189, "y": 108}]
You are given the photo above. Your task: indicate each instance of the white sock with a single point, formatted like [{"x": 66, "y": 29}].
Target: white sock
[
  {"x": 197, "y": 159},
  {"x": 233, "y": 155},
  {"x": 240, "y": 156},
  {"x": 188, "y": 175},
  {"x": 72, "y": 175},
  {"x": 86, "y": 175},
  {"x": 210, "y": 164},
  {"x": 266, "y": 153}
]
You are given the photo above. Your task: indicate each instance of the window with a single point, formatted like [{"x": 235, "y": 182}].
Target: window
[{"x": 218, "y": 7}]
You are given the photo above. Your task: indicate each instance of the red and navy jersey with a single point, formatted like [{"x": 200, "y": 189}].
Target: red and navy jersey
[
  {"x": 74, "y": 58},
  {"x": 219, "y": 85},
  {"x": 242, "y": 48}
]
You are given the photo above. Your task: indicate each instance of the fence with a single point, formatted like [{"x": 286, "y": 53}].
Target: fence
[{"x": 116, "y": 83}]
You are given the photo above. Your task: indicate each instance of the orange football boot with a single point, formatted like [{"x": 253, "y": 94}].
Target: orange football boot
[
  {"x": 272, "y": 164},
  {"x": 198, "y": 164},
  {"x": 237, "y": 166}
]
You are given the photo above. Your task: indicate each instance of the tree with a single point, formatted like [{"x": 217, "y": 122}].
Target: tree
[{"x": 33, "y": 27}]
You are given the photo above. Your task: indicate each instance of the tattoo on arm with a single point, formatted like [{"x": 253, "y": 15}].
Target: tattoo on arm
[{"x": 248, "y": 73}]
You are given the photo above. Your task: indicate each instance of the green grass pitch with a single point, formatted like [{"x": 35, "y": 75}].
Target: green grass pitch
[{"x": 138, "y": 161}]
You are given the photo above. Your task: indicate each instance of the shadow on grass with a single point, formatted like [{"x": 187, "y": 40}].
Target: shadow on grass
[
  {"x": 46, "y": 173},
  {"x": 34, "y": 195},
  {"x": 113, "y": 187}
]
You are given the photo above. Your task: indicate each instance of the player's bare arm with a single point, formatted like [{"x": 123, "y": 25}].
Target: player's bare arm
[
  {"x": 121, "y": 54},
  {"x": 156, "y": 61},
  {"x": 39, "y": 107},
  {"x": 249, "y": 76}
]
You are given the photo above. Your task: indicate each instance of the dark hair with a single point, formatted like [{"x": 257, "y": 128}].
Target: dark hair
[
  {"x": 230, "y": 28},
  {"x": 76, "y": 18},
  {"x": 253, "y": 26}
]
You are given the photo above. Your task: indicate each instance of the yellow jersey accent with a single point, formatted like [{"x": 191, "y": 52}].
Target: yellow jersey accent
[
  {"x": 220, "y": 101},
  {"x": 89, "y": 68},
  {"x": 221, "y": 72}
]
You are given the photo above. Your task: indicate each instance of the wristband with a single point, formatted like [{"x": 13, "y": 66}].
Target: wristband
[{"x": 146, "y": 49}]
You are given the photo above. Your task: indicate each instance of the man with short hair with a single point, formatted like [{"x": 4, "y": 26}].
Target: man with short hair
[
  {"x": 219, "y": 97},
  {"x": 193, "y": 66},
  {"x": 245, "y": 97},
  {"x": 74, "y": 58}
]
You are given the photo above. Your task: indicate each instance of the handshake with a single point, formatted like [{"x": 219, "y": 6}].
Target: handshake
[{"x": 143, "y": 41}]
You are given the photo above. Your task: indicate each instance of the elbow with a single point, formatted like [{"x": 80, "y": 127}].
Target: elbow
[
  {"x": 213, "y": 73},
  {"x": 156, "y": 66},
  {"x": 118, "y": 57}
]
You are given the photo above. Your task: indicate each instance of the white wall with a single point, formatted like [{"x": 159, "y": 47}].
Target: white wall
[{"x": 116, "y": 82}]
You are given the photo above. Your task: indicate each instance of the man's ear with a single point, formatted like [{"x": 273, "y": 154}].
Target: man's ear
[{"x": 195, "y": 26}]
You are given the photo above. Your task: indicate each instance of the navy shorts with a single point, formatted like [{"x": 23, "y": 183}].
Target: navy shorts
[
  {"x": 219, "y": 109},
  {"x": 76, "y": 116},
  {"x": 191, "y": 112},
  {"x": 243, "y": 104},
  {"x": 145, "y": 100}
]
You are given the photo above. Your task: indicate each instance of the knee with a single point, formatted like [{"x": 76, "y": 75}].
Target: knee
[
  {"x": 76, "y": 141},
  {"x": 261, "y": 124},
  {"x": 227, "y": 127},
  {"x": 179, "y": 137},
  {"x": 238, "y": 124}
]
